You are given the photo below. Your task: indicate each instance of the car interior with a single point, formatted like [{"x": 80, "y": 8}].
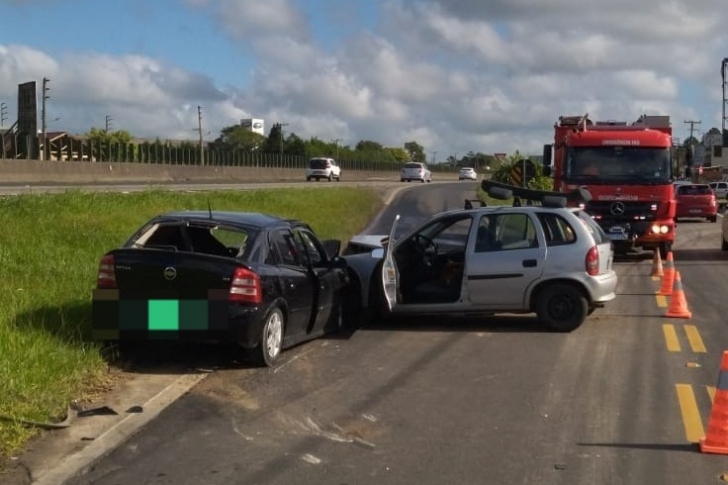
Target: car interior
[{"x": 431, "y": 262}]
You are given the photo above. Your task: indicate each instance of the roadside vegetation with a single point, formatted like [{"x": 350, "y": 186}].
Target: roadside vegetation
[{"x": 50, "y": 247}]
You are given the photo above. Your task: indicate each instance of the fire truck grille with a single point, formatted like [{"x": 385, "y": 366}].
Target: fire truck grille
[{"x": 621, "y": 210}]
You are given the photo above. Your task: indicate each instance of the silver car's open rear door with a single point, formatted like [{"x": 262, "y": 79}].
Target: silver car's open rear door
[{"x": 389, "y": 269}]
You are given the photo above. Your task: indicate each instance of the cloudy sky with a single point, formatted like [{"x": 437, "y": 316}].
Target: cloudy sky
[{"x": 454, "y": 75}]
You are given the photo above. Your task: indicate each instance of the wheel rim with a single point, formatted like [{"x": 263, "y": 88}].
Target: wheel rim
[
  {"x": 274, "y": 334},
  {"x": 561, "y": 308}
]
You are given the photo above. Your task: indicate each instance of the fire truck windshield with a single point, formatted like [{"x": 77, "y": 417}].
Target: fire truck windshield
[{"x": 618, "y": 165}]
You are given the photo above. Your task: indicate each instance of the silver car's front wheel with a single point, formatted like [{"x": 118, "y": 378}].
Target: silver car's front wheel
[{"x": 271, "y": 341}]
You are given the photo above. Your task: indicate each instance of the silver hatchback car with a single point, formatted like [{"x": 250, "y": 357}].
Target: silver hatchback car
[
  {"x": 554, "y": 261},
  {"x": 415, "y": 171}
]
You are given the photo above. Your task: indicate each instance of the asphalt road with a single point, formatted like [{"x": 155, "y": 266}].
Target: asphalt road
[{"x": 622, "y": 400}]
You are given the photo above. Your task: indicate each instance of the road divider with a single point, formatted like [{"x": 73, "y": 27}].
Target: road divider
[{"x": 692, "y": 335}]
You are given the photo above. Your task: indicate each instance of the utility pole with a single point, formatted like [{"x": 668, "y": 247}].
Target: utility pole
[
  {"x": 43, "y": 116},
  {"x": 692, "y": 126},
  {"x": 109, "y": 119},
  {"x": 3, "y": 114},
  {"x": 434, "y": 155},
  {"x": 723, "y": 75},
  {"x": 336, "y": 142},
  {"x": 199, "y": 129},
  {"x": 280, "y": 137}
]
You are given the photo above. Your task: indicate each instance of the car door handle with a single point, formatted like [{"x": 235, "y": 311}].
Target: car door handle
[{"x": 530, "y": 263}]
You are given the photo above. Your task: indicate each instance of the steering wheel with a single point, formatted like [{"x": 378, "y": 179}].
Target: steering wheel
[{"x": 426, "y": 249}]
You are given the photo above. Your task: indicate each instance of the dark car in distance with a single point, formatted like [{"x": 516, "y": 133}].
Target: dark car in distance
[{"x": 262, "y": 281}]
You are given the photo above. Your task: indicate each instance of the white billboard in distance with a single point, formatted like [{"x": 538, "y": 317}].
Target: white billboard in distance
[{"x": 254, "y": 124}]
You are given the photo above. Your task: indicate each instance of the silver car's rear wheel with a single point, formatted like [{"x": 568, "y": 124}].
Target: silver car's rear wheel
[
  {"x": 561, "y": 307},
  {"x": 271, "y": 339}
]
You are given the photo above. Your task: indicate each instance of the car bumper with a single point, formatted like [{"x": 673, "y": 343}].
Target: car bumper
[
  {"x": 698, "y": 212},
  {"x": 602, "y": 288},
  {"x": 197, "y": 320}
]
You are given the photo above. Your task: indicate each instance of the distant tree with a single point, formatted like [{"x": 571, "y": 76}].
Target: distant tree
[
  {"x": 294, "y": 145},
  {"x": 274, "y": 143},
  {"x": 368, "y": 146},
  {"x": 399, "y": 154},
  {"x": 691, "y": 141},
  {"x": 713, "y": 131},
  {"x": 416, "y": 151},
  {"x": 97, "y": 135},
  {"x": 237, "y": 137}
]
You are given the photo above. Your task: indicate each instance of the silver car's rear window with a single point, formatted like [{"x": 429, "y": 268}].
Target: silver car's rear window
[{"x": 595, "y": 229}]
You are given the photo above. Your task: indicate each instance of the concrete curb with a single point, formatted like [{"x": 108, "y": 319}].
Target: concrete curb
[{"x": 112, "y": 434}]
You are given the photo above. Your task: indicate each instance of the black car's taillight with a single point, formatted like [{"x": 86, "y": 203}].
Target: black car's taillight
[
  {"x": 245, "y": 286},
  {"x": 107, "y": 274}
]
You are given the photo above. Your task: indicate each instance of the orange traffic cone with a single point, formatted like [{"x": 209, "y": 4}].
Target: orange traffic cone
[
  {"x": 669, "y": 276},
  {"x": 678, "y": 304},
  {"x": 716, "y": 441},
  {"x": 657, "y": 264}
]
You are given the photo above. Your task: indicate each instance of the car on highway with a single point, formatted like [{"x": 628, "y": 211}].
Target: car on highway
[
  {"x": 695, "y": 201},
  {"x": 323, "y": 168},
  {"x": 264, "y": 282},
  {"x": 548, "y": 259},
  {"x": 416, "y": 171},
  {"x": 467, "y": 173},
  {"x": 720, "y": 189}
]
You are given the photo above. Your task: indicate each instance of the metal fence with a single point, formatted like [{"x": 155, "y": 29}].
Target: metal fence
[{"x": 81, "y": 150}]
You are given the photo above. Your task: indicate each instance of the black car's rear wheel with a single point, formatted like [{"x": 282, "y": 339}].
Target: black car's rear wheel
[
  {"x": 561, "y": 307},
  {"x": 271, "y": 339}
]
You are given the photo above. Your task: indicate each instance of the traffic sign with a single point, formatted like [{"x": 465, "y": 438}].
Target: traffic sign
[{"x": 520, "y": 168}]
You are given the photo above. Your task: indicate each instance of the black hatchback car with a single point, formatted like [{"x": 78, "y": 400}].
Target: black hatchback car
[{"x": 262, "y": 281}]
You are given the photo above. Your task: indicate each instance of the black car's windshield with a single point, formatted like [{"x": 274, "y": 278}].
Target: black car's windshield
[{"x": 618, "y": 165}]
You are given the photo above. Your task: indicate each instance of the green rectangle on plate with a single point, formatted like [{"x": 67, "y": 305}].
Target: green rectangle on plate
[{"x": 163, "y": 315}]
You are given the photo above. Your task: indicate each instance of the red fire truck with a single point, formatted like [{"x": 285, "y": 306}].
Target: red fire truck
[{"x": 627, "y": 168}]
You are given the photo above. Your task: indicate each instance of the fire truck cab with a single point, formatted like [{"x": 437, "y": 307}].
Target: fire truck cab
[{"x": 627, "y": 167}]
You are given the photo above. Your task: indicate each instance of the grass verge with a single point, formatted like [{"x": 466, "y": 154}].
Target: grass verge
[{"x": 50, "y": 247}]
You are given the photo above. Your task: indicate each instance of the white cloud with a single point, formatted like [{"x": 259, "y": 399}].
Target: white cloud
[{"x": 454, "y": 75}]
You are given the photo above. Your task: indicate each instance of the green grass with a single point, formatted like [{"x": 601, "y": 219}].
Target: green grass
[{"x": 50, "y": 247}]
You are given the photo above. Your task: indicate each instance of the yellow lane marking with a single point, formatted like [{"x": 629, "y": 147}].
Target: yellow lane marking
[
  {"x": 661, "y": 301},
  {"x": 711, "y": 392},
  {"x": 696, "y": 343},
  {"x": 673, "y": 345},
  {"x": 689, "y": 409}
]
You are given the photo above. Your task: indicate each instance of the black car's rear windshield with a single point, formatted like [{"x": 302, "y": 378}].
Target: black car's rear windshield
[{"x": 207, "y": 238}]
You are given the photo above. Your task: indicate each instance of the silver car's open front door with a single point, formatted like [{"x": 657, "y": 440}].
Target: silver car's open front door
[{"x": 389, "y": 269}]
